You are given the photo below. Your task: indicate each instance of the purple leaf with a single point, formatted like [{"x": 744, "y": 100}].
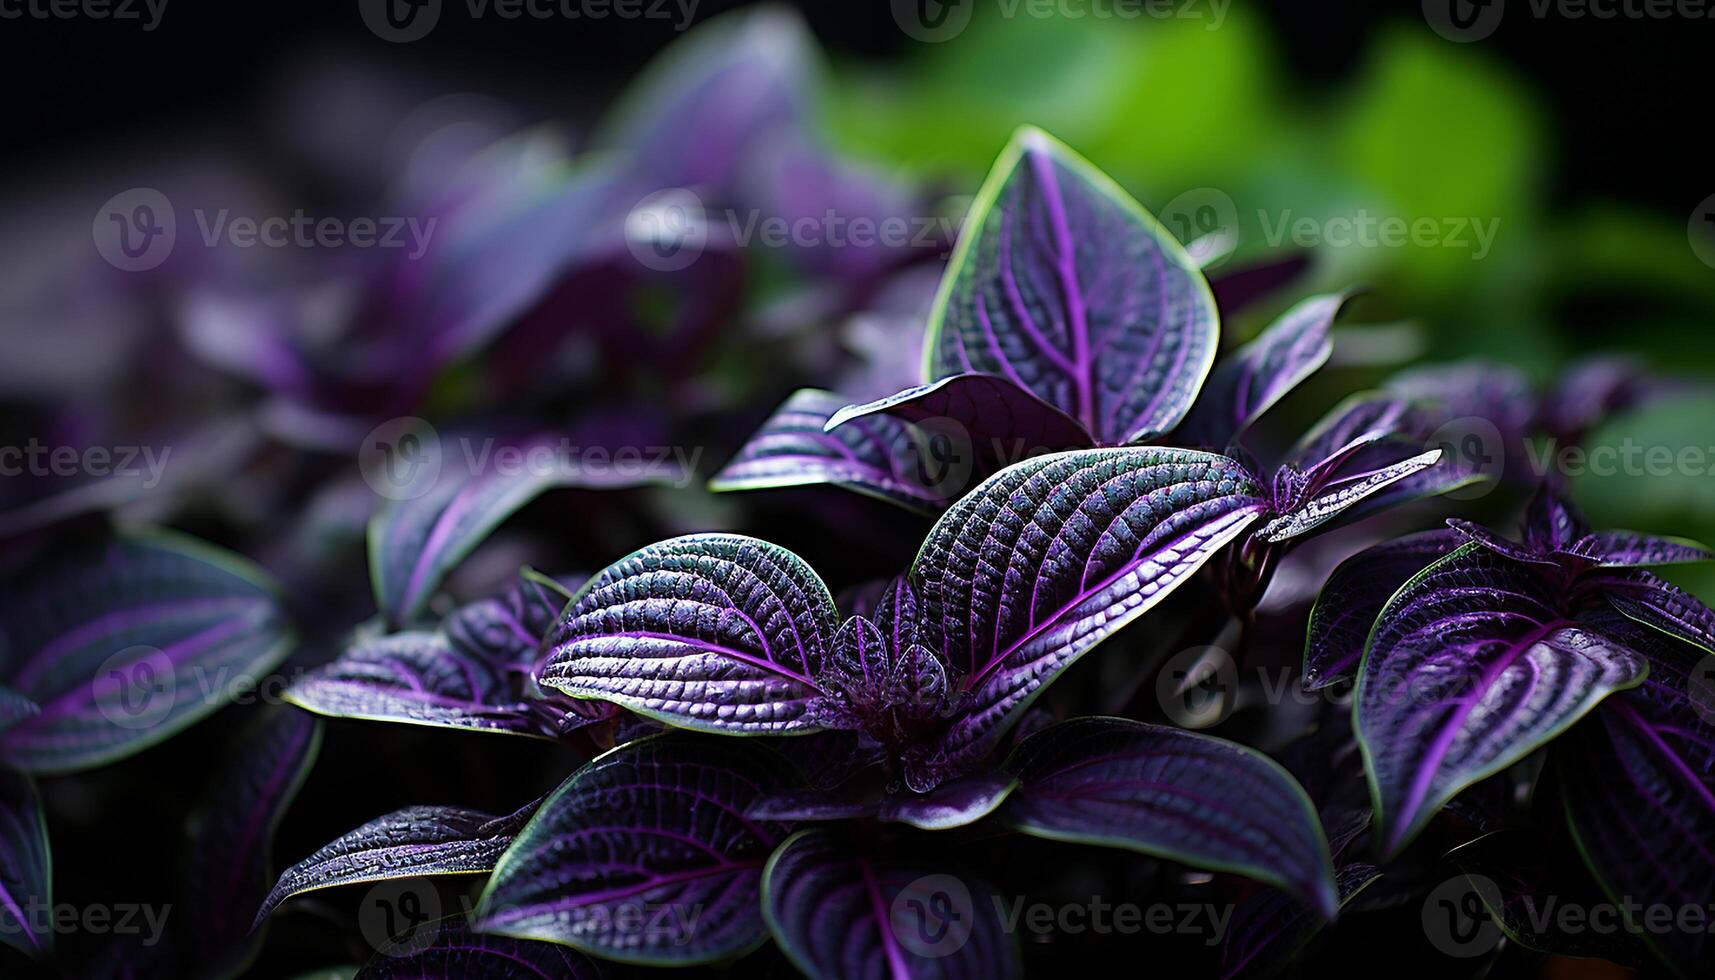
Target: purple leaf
[
  {"x": 1468, "y": 671},
  {"x": 1593, "y": 389},
  {"x": 995, "y": 421},
  {"x": 508, "y": 628},
  {"x": 707, "y": 102},
  {"x": 1335, "y": 499},
  {"x": 1270, "y": 928},
  {"x": 14, "y": 707},
  {"x": 1551, "y": 522},
  {"x": 1354, "y": 596},
  {"x": 1250, "y": 380},
  {"x": 1499, "y": 393},
  {"x": 795, "y": 805},
  {"x": 464, "y": 492},
  {"x": 131, "y": 646},
  {"x": 718, "y": 632},
  {"x": 1064, "y": 285},
  {"x": 458, "y": 951},
  {"x": 418, "y": 840},
  {"x": 838, "y": 912},
  {"x": 26, "y": 881},
  {"x": 954, "y": 803},
  {"x": 1472, "y": 531},
  {"x": 229, "y": 861},
  {"x": 1239, "y": 286},
  {"x": 877, "y": 455},
  {"x": 1657, "y": 603},
  {"x": 1623, "y": 549},
  {"x": 420, "y": 678},
  {"x": 1201, "y": 801},
  {"x": 1050, "y": 557},
  {"x": 645, "y": 855}
]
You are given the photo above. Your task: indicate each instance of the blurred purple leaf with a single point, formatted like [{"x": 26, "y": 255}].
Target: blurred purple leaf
[
  {"x": 26, "y": 879},
  {"x": 459, "y": 951}
]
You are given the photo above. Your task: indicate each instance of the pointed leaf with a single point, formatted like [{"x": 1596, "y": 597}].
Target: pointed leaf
[
  {"x": 1472, "y": 531},
  {"x": 999, "y": 422},
  {"x": 1064, "y": 285},
  {"x": 645, "y": 855},
  {"x": 1250, "y": 380},
  {"x": 1624, "y": 549},
  {"x": 229, "y": 861},
  {"x": 458, "y": 951},
  {"x": 954, "y": 803},
  {"x": 1341, "y": 497},
  {"x": 718, "y": 632},
  {"x": 153, "y": 634},
  {"x": 1469, "y": 669},
  {"x": 14, "y": 707},
  {"x": 1202, "y": 801},
  {"x": 1551, "y": 520},
  {"x": 878, "y": 455},
  {"x": 26, "y": 879},
  {"x": 1050, "y": 557},
  {"x": 470, "y": 490},
  {"x": 415, "y": 841},
  {"x": 1655, "y": 602},
  {"x": 1355, "y": 594},
  {"x": 838, "y": 912}
]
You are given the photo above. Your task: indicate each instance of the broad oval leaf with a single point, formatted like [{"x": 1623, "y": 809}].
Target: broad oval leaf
[
  {"x": 1250, "y": 380},
  {"x": 719, "y": 632},
  {"x": 26, "y": 880},
  {"x": 458, "y": 951},
  {"x": 418, "y": 840},
  {"x": 471, "y": 486},
  {"x": 645, "y": 855},
  {"x": 131, "y": 646},
  {"x": 1064, "y": 285},
  {"x": 229, "y": 859},
  {"x": 995, "y": 421},
  {"x": 1469, "y": 669},
  {"x": 839, "y": 913},
  {"x": 1050, "y": 557},
  {"x": 1354, "y": 596},
  {"x": 1191, "y": 798},
  {"x": 878, "y": 455}
]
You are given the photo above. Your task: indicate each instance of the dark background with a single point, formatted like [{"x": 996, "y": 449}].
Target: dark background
[{"x": 1626, "y": 94}]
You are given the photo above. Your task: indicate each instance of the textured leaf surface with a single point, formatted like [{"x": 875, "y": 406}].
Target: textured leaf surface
[
  {"x": 1622, "y": 549},
  {"x": 1202, "y": 801},
  {"x": 645, "y": 855},
  {"x": 879, "y": 455},
  {"x": 1655, "y": 602},
  {"x": 1253, "y": 378},
  {"x": 129, "y": 647},
  {"x": 1050, "y": 557},
  {"x": 1470, "y": 669},
  {"x": 26, "y": 883},
  {"x": 418, "y": 840},
  {"x": 994, "y": 420},
  {"x": 1342, "y": 496},
  {"x": 414, "y": 542},
  {"x": 457, "y": 951},
  {"x": 1639, "y": 781},
  {"x": 1062, "y": 284},
  {"x": 713, "y": 631},
  {"x": 1354, "y": 596},
  {"x": 838, "y": 912},
  {"x": 229, "y": 861}
]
